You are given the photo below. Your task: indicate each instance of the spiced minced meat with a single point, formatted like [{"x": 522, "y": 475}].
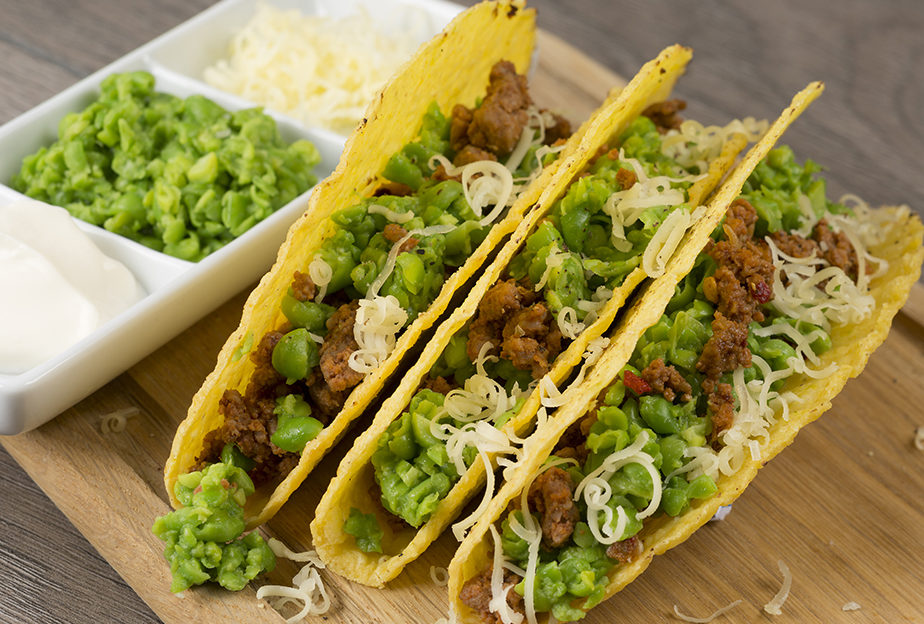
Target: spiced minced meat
[
  {"x": 249, "y": 419},
  {"x": 519, "y": 328}
]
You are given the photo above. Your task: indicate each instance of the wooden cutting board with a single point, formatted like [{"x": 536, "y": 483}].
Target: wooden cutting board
[{"x": 843, "y": 507}]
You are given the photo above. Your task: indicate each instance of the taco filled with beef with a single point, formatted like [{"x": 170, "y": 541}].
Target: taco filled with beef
[
  {"x": 450, "y": 156},
  {"x": 777, "y": 299},
  {"x": 613, "y": 216}
]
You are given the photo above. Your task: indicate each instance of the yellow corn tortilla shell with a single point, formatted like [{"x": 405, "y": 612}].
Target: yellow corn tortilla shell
[
  {"x": 852, "y": 346},
  {"x": 451, "y": 68},
  {"x": 350, "y": 488}
]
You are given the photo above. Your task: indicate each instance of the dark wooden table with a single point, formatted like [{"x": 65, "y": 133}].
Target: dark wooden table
[{"x": 749, "y": 57}]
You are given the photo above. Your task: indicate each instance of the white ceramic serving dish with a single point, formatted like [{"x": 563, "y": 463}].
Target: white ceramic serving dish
[{"x": 177, "y": 292}]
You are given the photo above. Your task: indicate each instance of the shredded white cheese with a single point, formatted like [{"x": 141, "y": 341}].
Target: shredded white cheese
[
  {"x": 626, "y": 206},
  {"x": 478, "y": 405},
  {"x": 391, "y": 215},
  {"x": 568, "y": 323},
  {"x": 553, "y": 260},
  {"x": 320, "y": 70},
  {"x": 378, "y": 321},
  {"x": 798, "y": 294},
  {"x": 320, "y": 273},
  {"x": 439, "y": 575},
  {"x": 115, "y": 422},
  {"x": 851, "y": 606},
  {"x": 484, "y": 183},
  {"x": 707, "y": 619},
  {"x": 498, "y": 603},
  {"x": 666, "y": 240},
  {"x": 597, "y": 492},
  {"x": 308, "y": 588},
  {"x": 395, "y": 251},
  {"x": 695, "y": 145},
  {"x": 533, "y": 134},
  {"x": 773, "y": 607}
]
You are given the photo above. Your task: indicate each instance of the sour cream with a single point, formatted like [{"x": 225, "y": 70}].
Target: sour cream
[{"x": 56, "y": 286}]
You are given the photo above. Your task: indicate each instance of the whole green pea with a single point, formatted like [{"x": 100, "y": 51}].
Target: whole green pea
[
  {"x": 295, "y": 355},
  {"x": 292, "y": 434},
  {"x": 308, "y": 314},
  {"x": 231, "y": 454}
]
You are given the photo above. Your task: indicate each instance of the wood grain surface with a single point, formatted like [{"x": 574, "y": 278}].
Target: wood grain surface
[{"x": 842, "y": 507}]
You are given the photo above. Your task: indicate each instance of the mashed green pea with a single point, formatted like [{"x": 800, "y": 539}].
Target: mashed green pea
[
  {"x": 182, "y": 176},
  {"x": 203, "y": 538}
]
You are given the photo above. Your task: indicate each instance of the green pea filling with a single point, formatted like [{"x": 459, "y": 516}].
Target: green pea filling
[
  {"x": 579, "y": 227},
  {"x": 203, "y": 538},
  {"x": 182, "y": 176},
  {"x": 358, "y": 250},
  {"x": 412, "y": 467},
  {"x": 357, "y": 253},
  {"x": 365, "y": 528},
  {"x": 579, "y": 569}
]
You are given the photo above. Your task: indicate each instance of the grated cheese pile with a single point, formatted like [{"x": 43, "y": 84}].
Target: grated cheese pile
[
  {"x": 308, "y": 588},
  {"x": 319, "y": 70}
]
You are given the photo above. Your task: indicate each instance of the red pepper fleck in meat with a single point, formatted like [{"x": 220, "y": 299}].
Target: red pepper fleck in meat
[
  {"x": 635, "y": 383},
  {"x": 761, "y": 292}
]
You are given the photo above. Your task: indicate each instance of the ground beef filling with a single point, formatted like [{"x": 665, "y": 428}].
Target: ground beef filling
[
  {"x": 438, "y": 384},
  {"x": 833, "y": 246},
  {"x": 394, "y": 233},
  {"x": 551, "y": 496},
  {"x": 626, "y": 178},
  {"x": 742, "y": 283},
  {"x": 493, "y": 130},
  {"x": 250, "y": 419},
  {"x": 665, "y": 114},
  {"x": 303, "y": 288},
  {"x": 573, "y": 442},
  {"x": 476, "y": 595},
  {"x": 337, "y": 347},
  {"x": 497, "y": 124},
  {"x": 625, "y": 551},
  {"x": 519, "y": 328},
  {"x": 667, "y": 381},
  {"x": 395, "y": 189}
]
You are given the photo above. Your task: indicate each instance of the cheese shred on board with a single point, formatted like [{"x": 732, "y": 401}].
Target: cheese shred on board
[
  {"x": 707, "y": 619},
  {"x": 773, "y": 607},
  {"x": 319, "y": 70},
  {"x": 307, "y": 586}
]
